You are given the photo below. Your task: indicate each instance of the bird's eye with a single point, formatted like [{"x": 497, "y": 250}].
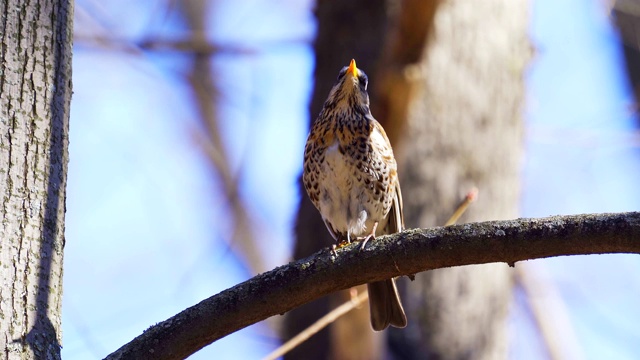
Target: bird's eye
[
  {"x": 342, "y": 72},
  {"x": 363, "y": 80}
]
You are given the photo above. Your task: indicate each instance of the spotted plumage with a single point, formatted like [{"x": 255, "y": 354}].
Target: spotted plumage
[{"x": 351, "y": 177}]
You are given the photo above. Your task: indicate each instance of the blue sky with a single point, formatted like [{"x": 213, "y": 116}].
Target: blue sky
[{"x": 146, "y": 228}]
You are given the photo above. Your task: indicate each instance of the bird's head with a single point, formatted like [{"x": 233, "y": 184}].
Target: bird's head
[{"x": 350, "y": 89}]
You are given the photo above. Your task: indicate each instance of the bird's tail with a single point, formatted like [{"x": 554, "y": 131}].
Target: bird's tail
[{"x": 385, "y": 306}]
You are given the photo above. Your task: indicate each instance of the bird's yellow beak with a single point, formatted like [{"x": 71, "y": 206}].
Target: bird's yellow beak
[{"x": 352, "y": 68}]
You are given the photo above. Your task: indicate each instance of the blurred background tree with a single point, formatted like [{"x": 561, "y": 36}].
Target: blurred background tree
[
  {"x": 442, "y": 142},
  {"x": 188, "y": 124},
  {"x": 467, "y": 136}
]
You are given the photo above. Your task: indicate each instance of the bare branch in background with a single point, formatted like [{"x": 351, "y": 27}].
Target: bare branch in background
[
  {"x": 549, "y": 312},
  {"x": 323, "y": 322},
  {"x": 205, "y": 96},
  {"x": 412, "y": 251}
]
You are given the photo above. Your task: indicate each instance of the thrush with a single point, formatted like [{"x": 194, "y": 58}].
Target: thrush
[{"x": 351, "y": 177}]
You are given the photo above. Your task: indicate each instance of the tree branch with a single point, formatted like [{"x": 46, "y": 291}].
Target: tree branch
[{"x": 406, "y": 253}]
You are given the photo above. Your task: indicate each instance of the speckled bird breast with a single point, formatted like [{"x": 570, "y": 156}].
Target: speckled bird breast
[{"x": 349, "y": 175}]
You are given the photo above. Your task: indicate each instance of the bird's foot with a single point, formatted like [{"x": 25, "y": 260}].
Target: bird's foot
[
  {"x": 341, "y": 243},
  {"x": 371, "y": 235},
  {"x": 333, "y": 250}
]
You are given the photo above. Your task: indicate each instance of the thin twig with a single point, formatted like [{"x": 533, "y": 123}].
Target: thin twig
[
  {"x": 318, "y": 325},
  {"x": 550, "y": 314},
  {"x": 472, "y": 195}
]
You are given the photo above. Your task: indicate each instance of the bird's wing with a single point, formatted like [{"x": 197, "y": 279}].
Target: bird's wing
[
  {"x": 338, "y": 237},
  {"x": 381, "y": 143},
  {"x": 396, "y": 217},
  {"x": 383, "y": 146}
]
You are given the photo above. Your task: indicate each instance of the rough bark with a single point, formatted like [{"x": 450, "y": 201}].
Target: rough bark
[
  {"x": 412, "y": 251},
  {"x": 35, "y": 92},
  {"x": 464, "y": 129}
]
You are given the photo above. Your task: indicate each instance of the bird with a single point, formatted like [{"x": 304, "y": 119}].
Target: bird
[{"x": 351, "y": 177}]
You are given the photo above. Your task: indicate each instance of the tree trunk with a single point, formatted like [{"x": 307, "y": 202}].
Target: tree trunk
[
  {"x": 464, "y": 129},
  {"x": 35, "y": 92},
  {"x": 346, "y": 30},
  {"x": 627, "y": 19}
]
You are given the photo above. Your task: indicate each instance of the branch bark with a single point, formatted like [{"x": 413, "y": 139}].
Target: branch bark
[{"x": 406, "y": 253}]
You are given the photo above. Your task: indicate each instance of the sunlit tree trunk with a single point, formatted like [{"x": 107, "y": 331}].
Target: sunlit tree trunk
[
  {"x": 464, "y": 129},
  {"x": 35, "y": 92},
  {"x": 346, "y": 30},
  {"x": 460, "y": 128}
]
